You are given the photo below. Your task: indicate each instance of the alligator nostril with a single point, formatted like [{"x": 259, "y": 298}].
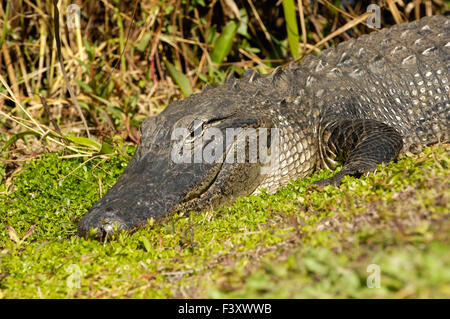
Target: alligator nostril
[
  {"x": 108, "y": 228},
  {"x": 101, "y": 233}
]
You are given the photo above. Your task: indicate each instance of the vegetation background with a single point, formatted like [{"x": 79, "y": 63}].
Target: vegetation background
[{"x": 126, "y": 60}]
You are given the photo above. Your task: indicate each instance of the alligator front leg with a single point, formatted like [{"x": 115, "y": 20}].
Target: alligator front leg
[{"x": 360, "y": 145}]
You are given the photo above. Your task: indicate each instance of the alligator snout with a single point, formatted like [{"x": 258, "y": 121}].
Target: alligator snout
[
  {"x": 104, "y": 221},
  {"x": 127, "y": 209},
  {"x": 151, "y": 187}
]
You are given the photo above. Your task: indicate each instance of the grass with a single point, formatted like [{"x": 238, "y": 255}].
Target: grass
[
  {"x": 300, "y": 242},
  {"x": 126, "y": 61}
]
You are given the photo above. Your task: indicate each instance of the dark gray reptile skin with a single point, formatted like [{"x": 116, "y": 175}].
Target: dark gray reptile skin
[{"x": 362, "y": 103}]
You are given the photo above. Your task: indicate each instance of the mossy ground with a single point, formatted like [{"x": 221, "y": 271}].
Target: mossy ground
[{"x": 300, "y": 242}]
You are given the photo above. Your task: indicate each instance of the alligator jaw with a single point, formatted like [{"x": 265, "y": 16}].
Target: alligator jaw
[
  {"x": 147, "y": 189},
  {"x": 154, "y": 186}
]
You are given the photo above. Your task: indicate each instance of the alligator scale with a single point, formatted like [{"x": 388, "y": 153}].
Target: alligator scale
[{"x": 362, "y": 103}]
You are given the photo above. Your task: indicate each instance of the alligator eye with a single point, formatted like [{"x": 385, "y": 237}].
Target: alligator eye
[
  {"x": 195, "y": 124},
  {"x": 195, "y": 130}
]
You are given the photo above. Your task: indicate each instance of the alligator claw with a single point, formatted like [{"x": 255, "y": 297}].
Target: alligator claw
[{"x": 328, "y": 181}]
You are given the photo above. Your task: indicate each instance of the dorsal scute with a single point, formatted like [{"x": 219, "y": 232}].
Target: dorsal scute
[
  {"x": 280, "y": 78},
  {"x": 251, "y": 75}
]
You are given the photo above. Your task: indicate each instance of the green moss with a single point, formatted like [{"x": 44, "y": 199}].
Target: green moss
[
  {"x": 300, "y": 242},
  {"x": 324, "y": 273}
]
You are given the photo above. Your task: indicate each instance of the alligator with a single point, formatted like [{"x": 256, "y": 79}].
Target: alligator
[{"x": 361, "y": 104}]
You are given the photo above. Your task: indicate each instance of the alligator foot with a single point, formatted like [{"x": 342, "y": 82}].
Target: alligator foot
[
  {"x": 363, "y": 144},
  {"x": 334, "y": 180}
]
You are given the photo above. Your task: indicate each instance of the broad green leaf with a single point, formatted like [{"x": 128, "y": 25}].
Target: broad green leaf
[
  {"x": 202, "y": 77},
  {"x": 141, "y": 45},
  {"x": 243, "y": 26},
  {"x": 107, "y": 148},
  {"x": 291, "y": 27},
  {"x": 179, "y": 78},
  {"x": 84, "y": 141},
  {"x": 147, "y": 245},
  {"x": 224, "y": 42}
]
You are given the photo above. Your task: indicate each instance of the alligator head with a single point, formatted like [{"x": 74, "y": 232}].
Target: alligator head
[{"x": 161, "y": 179}]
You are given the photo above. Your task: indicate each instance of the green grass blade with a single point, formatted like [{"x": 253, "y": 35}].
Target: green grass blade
[
  {"x": 143, "y": 43},
  {"x": 179, "y": 78},
  {"x": 224, "y": 42},
  {"x": 84, "y": 141},
  {"x": 291, "y": 27},
  {"x": 14, "y": 137},
  {"x": 84, "y": 86}
]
